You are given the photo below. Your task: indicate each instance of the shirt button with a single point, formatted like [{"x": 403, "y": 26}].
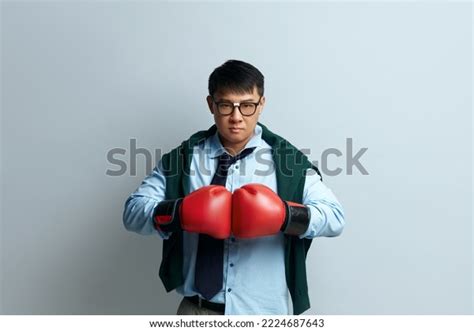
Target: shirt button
[
  {"x": 232, "y": 239},
  {"x": 229, "y": 290},
  {"x": 231, "y": 264},
  {"x": 237, "y": 167}
]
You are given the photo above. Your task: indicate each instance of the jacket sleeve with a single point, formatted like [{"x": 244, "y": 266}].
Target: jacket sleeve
[
  {"x": 139, "y": 207},
  {"x": 327, "y": 215}
]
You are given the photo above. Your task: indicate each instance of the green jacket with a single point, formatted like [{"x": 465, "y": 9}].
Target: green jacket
[{"x": 290, "y": 167}]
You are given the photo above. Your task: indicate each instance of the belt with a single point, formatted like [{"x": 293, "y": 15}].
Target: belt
[{"x": 220, "y": 307}]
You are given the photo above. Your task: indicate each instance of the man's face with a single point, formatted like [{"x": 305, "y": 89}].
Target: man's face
[{"x": 235, "y": 129}]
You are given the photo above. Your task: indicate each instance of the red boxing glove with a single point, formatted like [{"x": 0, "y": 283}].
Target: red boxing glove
[
  {"x": 258, "y": 211},
  {"x": 206, "y": 210}
]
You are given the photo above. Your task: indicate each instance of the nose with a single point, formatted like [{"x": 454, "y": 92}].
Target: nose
[{"x": 236, "y": 116}]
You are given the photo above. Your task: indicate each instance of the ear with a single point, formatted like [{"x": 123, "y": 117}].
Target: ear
[
  {"x": 210, "y": 104},
  {"x": 262, "y": 104}
]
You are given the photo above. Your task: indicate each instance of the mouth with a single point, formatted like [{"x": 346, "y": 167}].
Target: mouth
[{"x": 235, "y": 130}]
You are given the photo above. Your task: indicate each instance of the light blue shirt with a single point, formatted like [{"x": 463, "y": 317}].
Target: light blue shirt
[{"x": 254, "y": 269}]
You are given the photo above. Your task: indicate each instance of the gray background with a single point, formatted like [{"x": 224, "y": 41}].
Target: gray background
[{"x": 79, "y": 79}]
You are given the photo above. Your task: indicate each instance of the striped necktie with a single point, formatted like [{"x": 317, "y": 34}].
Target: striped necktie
[{"x": 208, "y": 276}]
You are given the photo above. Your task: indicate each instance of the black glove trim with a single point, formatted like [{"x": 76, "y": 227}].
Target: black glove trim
[
  {"x": 169, "y": 208},
  {"x": 296, "y": 220}
]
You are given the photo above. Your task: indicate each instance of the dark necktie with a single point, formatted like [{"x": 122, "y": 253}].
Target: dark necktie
[{"x": 208, "y": 276}]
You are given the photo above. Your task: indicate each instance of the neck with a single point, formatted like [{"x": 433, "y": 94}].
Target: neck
[{"x": 234, "y": 149}]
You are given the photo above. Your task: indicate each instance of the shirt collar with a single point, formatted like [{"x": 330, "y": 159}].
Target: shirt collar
[{"x": 217, "y": 149}]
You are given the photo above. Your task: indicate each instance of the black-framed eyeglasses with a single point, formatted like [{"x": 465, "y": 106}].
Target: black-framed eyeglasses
[{"x": 246, "y": 108}]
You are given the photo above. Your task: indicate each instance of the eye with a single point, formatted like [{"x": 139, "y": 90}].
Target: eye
[
  {"x": 225, "y": 105},
  {"x": 247, "y": 106}
]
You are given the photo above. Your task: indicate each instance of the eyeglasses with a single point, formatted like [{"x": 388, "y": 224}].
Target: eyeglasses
[{"x": 246, "y": 108}]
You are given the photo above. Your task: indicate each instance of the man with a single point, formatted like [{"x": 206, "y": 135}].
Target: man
[{"x": 237, "y": 207}]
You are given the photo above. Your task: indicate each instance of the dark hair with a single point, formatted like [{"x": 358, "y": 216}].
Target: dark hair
[{"x": 235, "y": 76}]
